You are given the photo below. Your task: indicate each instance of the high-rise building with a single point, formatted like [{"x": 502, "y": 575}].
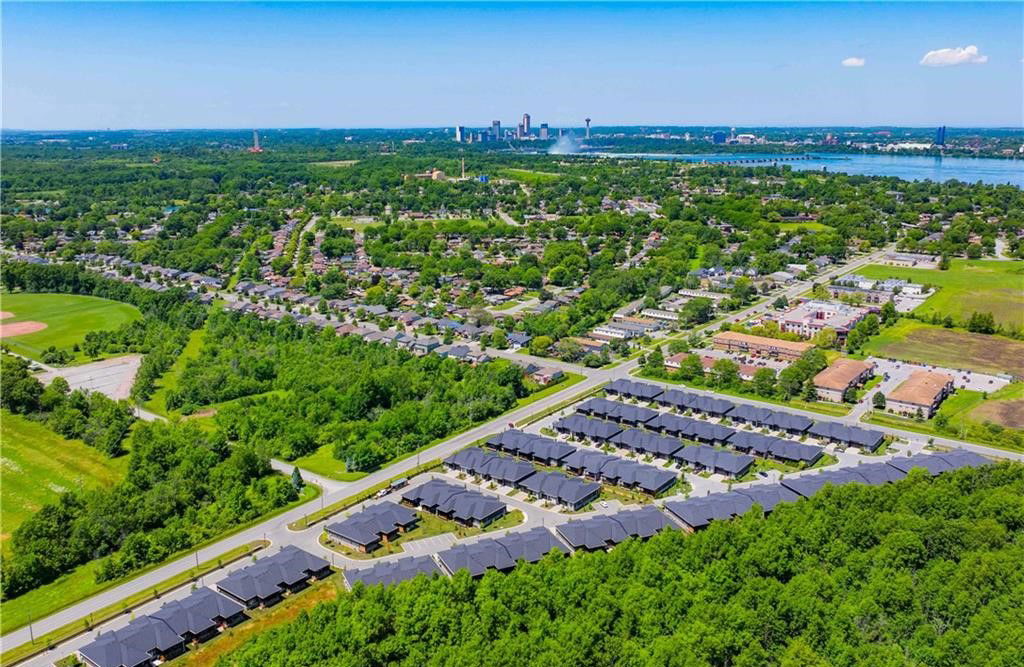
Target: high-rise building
[
  {"x": 526, "y": 124},
  {"x": 543, "y": 131},
  {"x": 496, "y": 129},
  {"x": 460, "y": 133},
  {"x": 940, "y": 136},
  {"x": 588, "y": 127}
]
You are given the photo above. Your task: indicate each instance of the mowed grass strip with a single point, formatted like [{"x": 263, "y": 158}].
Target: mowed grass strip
[
  {"x": 38, "y": 464},
  {"x": 910, "y": 340},
  {"x": 158, "y": 402},
  {"x": 68, "y": 317},
  {"x": 984, "y": 286}
]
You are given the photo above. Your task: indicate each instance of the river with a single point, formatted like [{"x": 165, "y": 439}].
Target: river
[{"x": 907, "y": 167}]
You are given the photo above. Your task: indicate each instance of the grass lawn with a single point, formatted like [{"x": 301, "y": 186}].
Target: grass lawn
[
  {"x": 990, "y": 286},
  {"x": 81, "y": 583},
  {"x": 169, "y": 380},
  {"x": 508, "y": 305},
  {"x": 911, "y": 340},
  {"x": 38, "y": 465},
  {"x": 529, "y": 176},
  {"x": 322, "y": 462},
  {"x": 68, "y": 317},
  {"x": 336, "y": 163},
  {"x": 997, "y": 420},
  {"x": 260, "y": 620},
  {"x": 809, "y": 226}
]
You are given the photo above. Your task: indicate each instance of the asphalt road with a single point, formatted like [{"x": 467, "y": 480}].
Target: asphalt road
[{"x": 277, "y": 531}]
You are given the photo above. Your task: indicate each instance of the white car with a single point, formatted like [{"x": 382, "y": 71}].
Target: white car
[{"x": 604, "y": 504}]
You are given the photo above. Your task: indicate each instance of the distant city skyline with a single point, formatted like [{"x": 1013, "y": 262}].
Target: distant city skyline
[{"x": 409, "y": 65}]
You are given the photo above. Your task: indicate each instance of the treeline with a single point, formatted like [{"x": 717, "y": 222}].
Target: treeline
[
  {"x": 167, "y": 317},
  {"x": 371, "y": 402},
  {"x": 183, "y": 486},
  {"x": 88, "y": 416},
  {"x": 793, "y": 381},
  {"x": 923, "y": 572}
]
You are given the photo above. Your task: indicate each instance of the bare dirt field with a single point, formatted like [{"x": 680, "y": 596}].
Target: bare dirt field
[
  {"x": 1007, "y": 413},
  {"x": 20, "y": 328},
  {"x": 928, "y": 344},
  {"x": 4, "y": 314}
]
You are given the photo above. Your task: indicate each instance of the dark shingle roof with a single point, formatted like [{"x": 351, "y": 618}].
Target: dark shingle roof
[
  {"x": 197, "y": 613},
  {"x": 132, "y": 645},
  {"x": 501, "y": 553},
  {"x": 393, "y": 572},
  {"x": 641, "y": 390},
  {"x": 459, "y": 502},
  {"x": 851, "y": 435},
  {"x": 642, "y": 440},
  {"x": 566, "y": 490},
  {"x": 606, "y": 530},
  {"x": 715, "y": 459},
  {"x": 367, "y": 526},
  {"x": 699, "y": 512},
  {"x": 267, "y": 576}
]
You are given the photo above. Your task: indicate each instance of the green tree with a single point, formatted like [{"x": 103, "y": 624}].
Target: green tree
[
  {"x": 764, "y": 382},
  {"x": 878, "y": 400}
]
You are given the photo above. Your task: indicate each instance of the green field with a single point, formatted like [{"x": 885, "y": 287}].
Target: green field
[
  {"x": 910, "y": 340},
  {"x": 528, "y": 176},
  {"x": 68, "y": 318},
  {"x": 38, "y": 465},
  {"x": 157, "y": 403},
  {"x": 985, "y": 286},
  {"x": 809, "y": 226}
]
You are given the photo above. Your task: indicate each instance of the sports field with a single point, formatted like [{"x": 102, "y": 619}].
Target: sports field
[
  {"x": 67, "y": 318},
  {"x": 38, "y": 464},
  {"x": 985, "y": 286},
  {"x": 910, "y": 340}
]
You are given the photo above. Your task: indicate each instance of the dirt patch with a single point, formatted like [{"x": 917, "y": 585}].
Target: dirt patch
[
  {"x": 20, "y": 328},
  {"x": 958, "y": 349},
  {"x": 1008, "y": 413},
  {"x": 4, "y": 314}
]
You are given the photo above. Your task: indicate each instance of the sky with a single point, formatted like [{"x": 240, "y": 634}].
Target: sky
[{"x": 336, "y": 65}]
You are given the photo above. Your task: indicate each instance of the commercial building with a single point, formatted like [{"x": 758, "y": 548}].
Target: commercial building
[
  {"x": 734, "y": 341},
  {"x": 833, "y": 382},
  {"x": 810, "y": 317},
  {"x": 922, "y": 392}
]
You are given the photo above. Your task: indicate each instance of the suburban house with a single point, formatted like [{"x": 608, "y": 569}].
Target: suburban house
[
  {"x": 392, "y": 572},
  {"x": 547, "y": 375},
  {"x": 922, "y": 392},
  {"x": 368, "y": 529},
  {"x": 144, "y": 641},
  {"x": 470, "y": 508},
  {"x": 572, "y": 493},
  {"x": 717, "y": 461},
  {"x": 605, "y": 531},
  {"x": 502, "y": 553},
  {"x": 833, "y": 382},
  {"x": 266, "y": 581},
  {"x": 201, "y": 615}
]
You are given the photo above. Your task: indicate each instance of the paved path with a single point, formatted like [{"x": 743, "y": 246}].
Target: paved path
[{"x": 277, "y": 531}]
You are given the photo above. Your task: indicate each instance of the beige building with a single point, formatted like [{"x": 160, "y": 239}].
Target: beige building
[
  {"x": 833, "y": 382},
  {"x": 733, "y": 341},
  {"x": 923, "y": 390}
]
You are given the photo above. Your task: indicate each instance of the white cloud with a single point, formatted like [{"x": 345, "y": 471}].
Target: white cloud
[
  {"x": 853, "y": 61},
  {"x": 961, "y": 55}
]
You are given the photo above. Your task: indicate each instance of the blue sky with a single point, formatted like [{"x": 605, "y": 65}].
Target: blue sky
[{"x": 161, "y": 65}]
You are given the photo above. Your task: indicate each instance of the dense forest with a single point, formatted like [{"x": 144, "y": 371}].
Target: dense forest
[
  {"x": 921, "y": 572},
  {"x": 183, "y": 486},
  {"x": 370, "y": 402}
]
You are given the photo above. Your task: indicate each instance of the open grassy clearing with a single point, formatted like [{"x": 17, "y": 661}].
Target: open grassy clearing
[
  {"x": 529, "y": 176},
  {"x": 796, "y": 226},
  {"x": 910, "y": 340},
  {"x": 158, "y": 402},
  {"x": 68, "y": 317},
  {"x": 336, "y": 163},
  {"x": 985, "y": 286},
  {"x": 38, "y": 464},
  {"x": 81, "y": 583}
]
